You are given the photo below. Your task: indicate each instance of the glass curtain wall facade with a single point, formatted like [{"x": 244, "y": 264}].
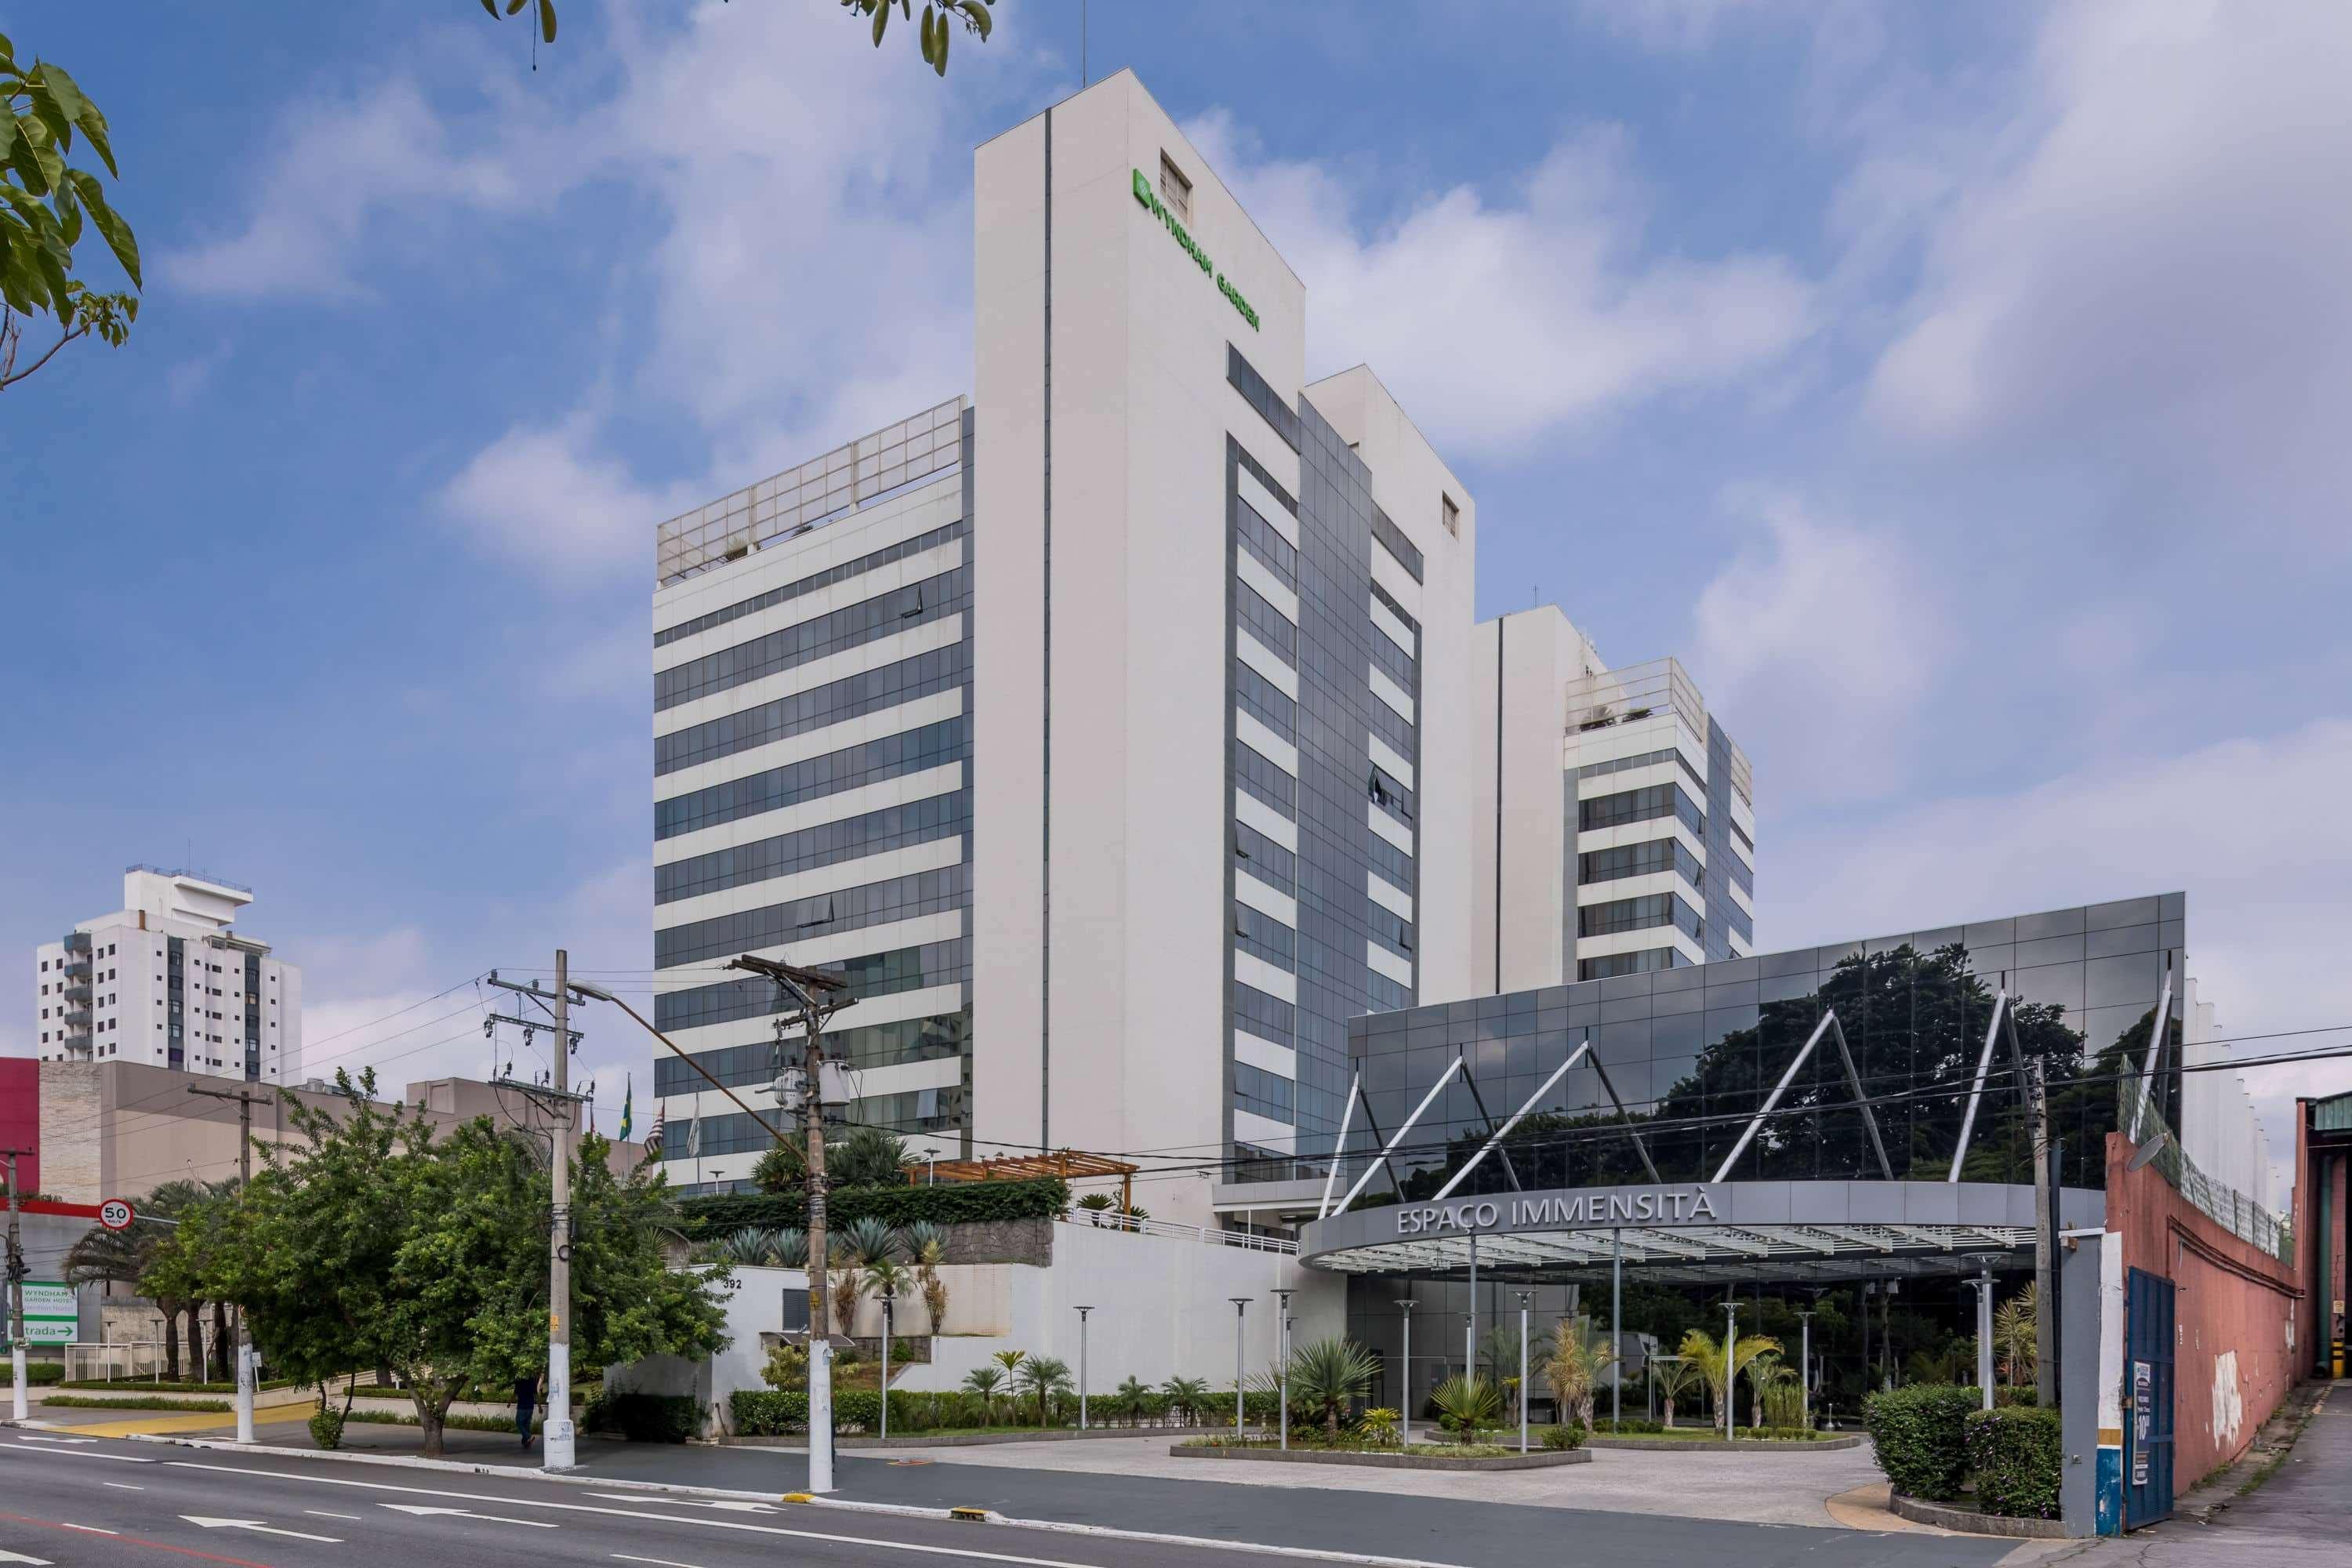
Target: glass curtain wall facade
[
  {"x": 1320, "y": 893},
  {"x": 1694, "y": 1051}
]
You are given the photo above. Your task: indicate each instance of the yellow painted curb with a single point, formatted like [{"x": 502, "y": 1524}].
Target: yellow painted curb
[{"x": 151, "y": 1424}]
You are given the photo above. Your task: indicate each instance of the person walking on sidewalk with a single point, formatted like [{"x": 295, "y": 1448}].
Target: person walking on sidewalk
[{"x": 526, "y": 1396}]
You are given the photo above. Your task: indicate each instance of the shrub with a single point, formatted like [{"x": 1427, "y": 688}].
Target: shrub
[
  {"x": 37, "y": 1373},
  {"x": 1570, "y": 1436},
  {"x": 645, "y": 1417},
  {"x": 1378, "y": 1427},
  {"x": 950, "y": 1202},
  {"x": 1920, "y": 1436},
  {"x": 327, "y": 1428},
  {"x": 764, "y": 1414},
  {"x": 1628, "y": 1424},
  {"x": 2015, "y": 1456}
]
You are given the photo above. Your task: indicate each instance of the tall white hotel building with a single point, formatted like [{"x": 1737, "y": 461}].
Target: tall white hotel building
[{"x": 1116, "y": 734}]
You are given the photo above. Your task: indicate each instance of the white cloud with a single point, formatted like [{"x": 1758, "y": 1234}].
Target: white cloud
[
  {"x": 2146, "y": 270},
  {"x": 545, "y": 499},
  {"x": 2243, "y": 826},
  {"x": 1500, "y": 322},
  {"x": 1820, "y": 643},
  {"x": 339, "y": 167}
]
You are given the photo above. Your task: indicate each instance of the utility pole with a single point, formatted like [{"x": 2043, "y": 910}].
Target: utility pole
[
  {"x": 557, "y": 1450},
  {"x": 245, "y": 1101},
  {"x": 816, "y": 996},
  {"x": 2045, "y": 1252},
  {"x": 16, "y": 1272}
]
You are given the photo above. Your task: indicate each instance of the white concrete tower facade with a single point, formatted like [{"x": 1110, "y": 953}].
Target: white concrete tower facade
[
  {"x": 165, "y": 982},
  {"x": 1223, "y": 617},
  {"x": 1614, "y": 829}
]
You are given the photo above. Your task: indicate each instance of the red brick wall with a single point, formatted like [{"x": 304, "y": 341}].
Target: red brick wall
[
  {"x": 2238, "y": 1347},
  {"x": 20, "y": 1116}
]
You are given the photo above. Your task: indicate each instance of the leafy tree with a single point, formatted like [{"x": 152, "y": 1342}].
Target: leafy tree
[
  {"x": 783, "y": 1169},
  {"x": 1330, "y": 1375},
  {"x": 1186, "y": 1396},
  {"x": 939, "y": 23},
  {"x": 45, "y": 205},
  {"x": 868, "y": 1157},
  {"x": 1131, "y": 1398},
  {"x": 126, "y": 1257},
  {"x": 367, "y": 1243}
]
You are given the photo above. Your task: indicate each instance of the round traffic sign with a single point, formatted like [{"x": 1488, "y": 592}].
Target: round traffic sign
[{"x": 115, "y": 1214}]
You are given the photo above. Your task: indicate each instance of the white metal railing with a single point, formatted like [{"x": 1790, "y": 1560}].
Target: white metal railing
[{"x": 1211, "y": 1235}]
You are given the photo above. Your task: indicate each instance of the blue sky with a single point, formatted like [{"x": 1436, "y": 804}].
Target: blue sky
[{"x": 1958, "y": 390}]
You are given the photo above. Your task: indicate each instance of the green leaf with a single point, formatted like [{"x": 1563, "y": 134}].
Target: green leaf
[
  {"x": 941, "y": 65},
  {"x": 515, "y": 6},
  {"x": 926, "y": 35},
  {"x": 981, "y": 19},
  {"x": 881, "y": 20},
  {"x": 119, "y": 237},
  {"x": 492, "y": 8},
  {"x": 93, "y": 126},
  {"x": 47, "y": 111},
  {"x": 547, "y": 20}
]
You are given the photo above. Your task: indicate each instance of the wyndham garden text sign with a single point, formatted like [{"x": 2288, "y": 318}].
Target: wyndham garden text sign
[{"x": 1151, "y": 202}]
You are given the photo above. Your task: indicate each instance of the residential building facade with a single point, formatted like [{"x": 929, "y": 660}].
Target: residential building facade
[{"x": 166, "y": 982}]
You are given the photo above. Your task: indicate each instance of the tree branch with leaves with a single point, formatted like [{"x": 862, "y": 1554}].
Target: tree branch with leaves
[
  {"x": 46, "y": 206},
  {"x": 940, "y": 20}
]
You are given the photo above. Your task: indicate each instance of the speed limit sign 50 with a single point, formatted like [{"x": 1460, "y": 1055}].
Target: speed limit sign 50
[{"x": 115, "y": 1214}]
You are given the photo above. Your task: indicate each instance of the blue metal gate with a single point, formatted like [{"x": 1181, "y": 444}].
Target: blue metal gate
[{"x": 2147, "y": 1399}]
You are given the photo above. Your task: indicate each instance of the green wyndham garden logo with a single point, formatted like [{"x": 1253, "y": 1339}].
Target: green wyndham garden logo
[{"x": 1150, "y": 201}]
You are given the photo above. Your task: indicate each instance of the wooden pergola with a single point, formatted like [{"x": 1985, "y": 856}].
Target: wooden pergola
[{"x": 1067, "y": 1164}]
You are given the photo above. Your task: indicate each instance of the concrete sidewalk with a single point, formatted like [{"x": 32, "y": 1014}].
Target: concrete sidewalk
[{"x": 2296, "y": 1519}]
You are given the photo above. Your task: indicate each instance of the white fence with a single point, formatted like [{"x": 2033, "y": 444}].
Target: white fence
[{"x": 1212, "y": 1236}]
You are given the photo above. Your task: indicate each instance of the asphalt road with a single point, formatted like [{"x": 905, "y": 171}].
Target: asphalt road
[
  {"x": 87, "y": 1502},
  {"x": 68, "y": 1501}
]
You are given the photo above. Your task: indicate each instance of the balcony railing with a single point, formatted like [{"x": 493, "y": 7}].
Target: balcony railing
[
  {"x": 78, "y": 941},
  {"x": 1211, "y": 1235},
  {"x": 78, "y": 992},
  {"x": 78, "y": 968},
  {"x": 78, "y": 1019}
]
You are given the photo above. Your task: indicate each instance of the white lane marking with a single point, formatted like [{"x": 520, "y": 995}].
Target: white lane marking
[
  {"x": 91, "y": 1529},
  {"x": 122, "y": 1486},
  {"x": 625, "y": 1557},
  {"x": 879, "y": 1542},
  {"x": 322, "y": 1514},
  {"x": 725, "y": 1505},
  {"x": 87, "y": 1453},
  {"x": 256, "y": 1525},
  {"x": 465, "y": 1513},
  {"x": 20, "y": 1557}
]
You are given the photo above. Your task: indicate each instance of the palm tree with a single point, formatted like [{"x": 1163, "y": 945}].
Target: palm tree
[
  {"x": 2014, "y": 1324},
  {"x": 1186, "y": 1396},
  {"x": 984, "y": 1381},
  {"x": 1580, "y": 1354},
  {"x": 1043, "y": 1376},
  {"x": 926, "y": 1245},
  {"x": 889, "y": 1278},
  {"x": 858, "y": 1248},
  {"x": 124, "y": 1258},
  {"x": 1767, "y": 1376},
  {"x": 1721, "y": 1371},
  {"x": 868, "y": 1157},
  {"x": 1330, "y": 1375},
  {"x": 1130, "y": 1397},
  {"x": 1675, "y": 1376},
  {"x": 1469, "y": 1404}
]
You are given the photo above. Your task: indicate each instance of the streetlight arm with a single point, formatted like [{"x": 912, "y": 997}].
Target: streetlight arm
[{"x": 601, "y": 995}]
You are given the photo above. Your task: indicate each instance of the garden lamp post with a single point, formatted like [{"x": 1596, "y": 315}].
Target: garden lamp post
[
  {"x": 1525, "y": 1295},
  {"x": 1241, "y": 1311},
  {"x": 1405, "y": 1377},
  {"x": 1082, "y": 1366},
  {"x": 889, "y": 1301},
  {"x": 1983, "y": 1283},
  {"x": 1282, "y": 1353},
  {"x": 1805, "y": 1366},
  {"x": 1731, "y": 1342}
]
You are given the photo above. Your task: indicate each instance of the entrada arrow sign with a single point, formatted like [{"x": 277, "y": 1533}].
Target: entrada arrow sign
[
  {"x": 254, "y": 1524},
  {"x": 465, "y": 1513}
]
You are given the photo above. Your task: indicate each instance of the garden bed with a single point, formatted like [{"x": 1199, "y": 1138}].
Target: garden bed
[
  {"x": 953, "y": 1437},
  {"x": 1418, "y": 1457},
  {"x": 1700, "y": 1445},
  {"x": 1969, "y": 1521}
]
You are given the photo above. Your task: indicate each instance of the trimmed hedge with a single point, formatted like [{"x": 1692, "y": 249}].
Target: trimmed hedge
[
  {"x": 1921, "y": 1438},
  {"x": 770, "y": 1412},
  {"x": 36, "y": 1374},
  {"x": 950, "y": 1202},
  {"x": 2016, "y": 1454}
]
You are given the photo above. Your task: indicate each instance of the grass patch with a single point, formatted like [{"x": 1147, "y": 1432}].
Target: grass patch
[{"x": 133, "y": 1402}]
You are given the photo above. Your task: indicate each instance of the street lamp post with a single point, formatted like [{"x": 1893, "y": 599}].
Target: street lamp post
[
  {"x": 1525, "y": 1295},
  {"x": 1282, "y": 1353},
  {"x": 1082, "y": 1366},
  {"x": 890, "y": 1302},
  {"x": 1805, "y": 1366},
  {"x": 1730, "y": 1386},
  {"x": 1241, "y": 1309},
  {"x": 1404, "y": 1378}
]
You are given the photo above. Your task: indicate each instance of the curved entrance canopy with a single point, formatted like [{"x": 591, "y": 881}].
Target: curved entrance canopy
[{"x": 1701, "y": 1230}]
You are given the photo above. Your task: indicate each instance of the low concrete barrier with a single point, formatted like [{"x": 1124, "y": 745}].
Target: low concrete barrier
[{"x": 1946, "y": 1516}]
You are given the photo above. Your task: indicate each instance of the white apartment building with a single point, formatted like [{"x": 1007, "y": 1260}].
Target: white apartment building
[
  {"x": 165, "y": 982},
  {"x": 1614, "y": 822},
  {"x": 1082, "y": 728}
]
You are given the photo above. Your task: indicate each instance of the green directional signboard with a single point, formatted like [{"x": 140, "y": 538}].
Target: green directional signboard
[{"x": 50, "y": 1316}]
